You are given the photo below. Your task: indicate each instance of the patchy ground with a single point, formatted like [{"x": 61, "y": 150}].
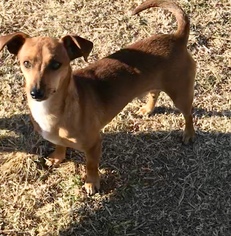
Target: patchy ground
[{"x": 152, "y": 184}]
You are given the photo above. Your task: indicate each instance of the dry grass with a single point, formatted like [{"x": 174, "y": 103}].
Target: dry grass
[{"x": 152, "y": 184}]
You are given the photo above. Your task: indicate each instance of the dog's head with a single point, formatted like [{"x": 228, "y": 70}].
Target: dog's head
[{"x": 45, "y": 61}]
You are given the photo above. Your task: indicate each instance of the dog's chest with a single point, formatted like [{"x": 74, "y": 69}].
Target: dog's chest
[{"x": 41, "y": 112}]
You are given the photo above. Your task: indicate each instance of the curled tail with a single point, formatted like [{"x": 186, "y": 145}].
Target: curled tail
[{"x": 182, "y": 19}]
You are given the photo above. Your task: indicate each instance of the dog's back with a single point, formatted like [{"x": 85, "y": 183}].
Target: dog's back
[{"x": 149, "y": 64}]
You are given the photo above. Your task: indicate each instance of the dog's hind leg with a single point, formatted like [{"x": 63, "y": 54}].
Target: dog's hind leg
[
  {"x": 150, "y": 105},
  {"x": 183, "y": 101}
]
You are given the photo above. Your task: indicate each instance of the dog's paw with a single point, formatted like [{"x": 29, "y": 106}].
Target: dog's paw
[
  {"x": 52, "y": 162},
  {"x": 92, "y": 187},
  {"x": 188, "y": 137},
  {"x": 55, "y": 158},
  {"x": 144, "y": 111}
]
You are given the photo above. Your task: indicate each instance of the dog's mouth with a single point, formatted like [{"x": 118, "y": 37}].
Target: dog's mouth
[{"x": 39, "y": 99}]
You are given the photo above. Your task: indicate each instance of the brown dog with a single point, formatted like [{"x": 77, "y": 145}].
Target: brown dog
[{"x": 69, "y": 109}]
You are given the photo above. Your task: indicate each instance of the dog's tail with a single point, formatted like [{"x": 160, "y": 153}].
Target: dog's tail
[{"x": 182, "y": 19}]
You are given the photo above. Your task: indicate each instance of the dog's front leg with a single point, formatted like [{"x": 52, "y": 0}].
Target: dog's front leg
[
  {"x": 92, "y": 181},
  {"x": 56, "y": 157}
]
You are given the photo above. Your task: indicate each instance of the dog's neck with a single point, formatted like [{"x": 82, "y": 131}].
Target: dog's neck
[{"x": 47, "y": 113}]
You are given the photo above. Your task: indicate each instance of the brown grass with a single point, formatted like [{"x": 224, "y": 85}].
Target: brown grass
[{"x": 151, "y": 183}]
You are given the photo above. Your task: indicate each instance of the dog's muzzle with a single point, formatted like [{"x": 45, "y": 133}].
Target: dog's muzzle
[{"x": 37, "y": 94}]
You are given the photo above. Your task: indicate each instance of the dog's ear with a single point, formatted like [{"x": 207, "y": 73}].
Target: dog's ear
[
  {"x": 77, "y": 46},
  {"x": 13, "y": 42}
]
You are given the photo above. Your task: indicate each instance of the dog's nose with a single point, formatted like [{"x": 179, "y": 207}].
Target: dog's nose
[{"x": 37, "y": 93}]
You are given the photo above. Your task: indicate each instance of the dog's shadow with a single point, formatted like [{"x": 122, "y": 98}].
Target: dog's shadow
[
  {"x": 158, "y": 185},
  {"x": 19, "y": 134},
  {"x": 197, "y": 112}
]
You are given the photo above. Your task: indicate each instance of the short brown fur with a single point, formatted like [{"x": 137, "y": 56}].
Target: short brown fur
[{"x": 70, "y": 108}]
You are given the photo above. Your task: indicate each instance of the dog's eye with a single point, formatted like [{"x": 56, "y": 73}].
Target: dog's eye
[
  {"x": 27, "y": 64},
  {"x": 55, "y": 65}
]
